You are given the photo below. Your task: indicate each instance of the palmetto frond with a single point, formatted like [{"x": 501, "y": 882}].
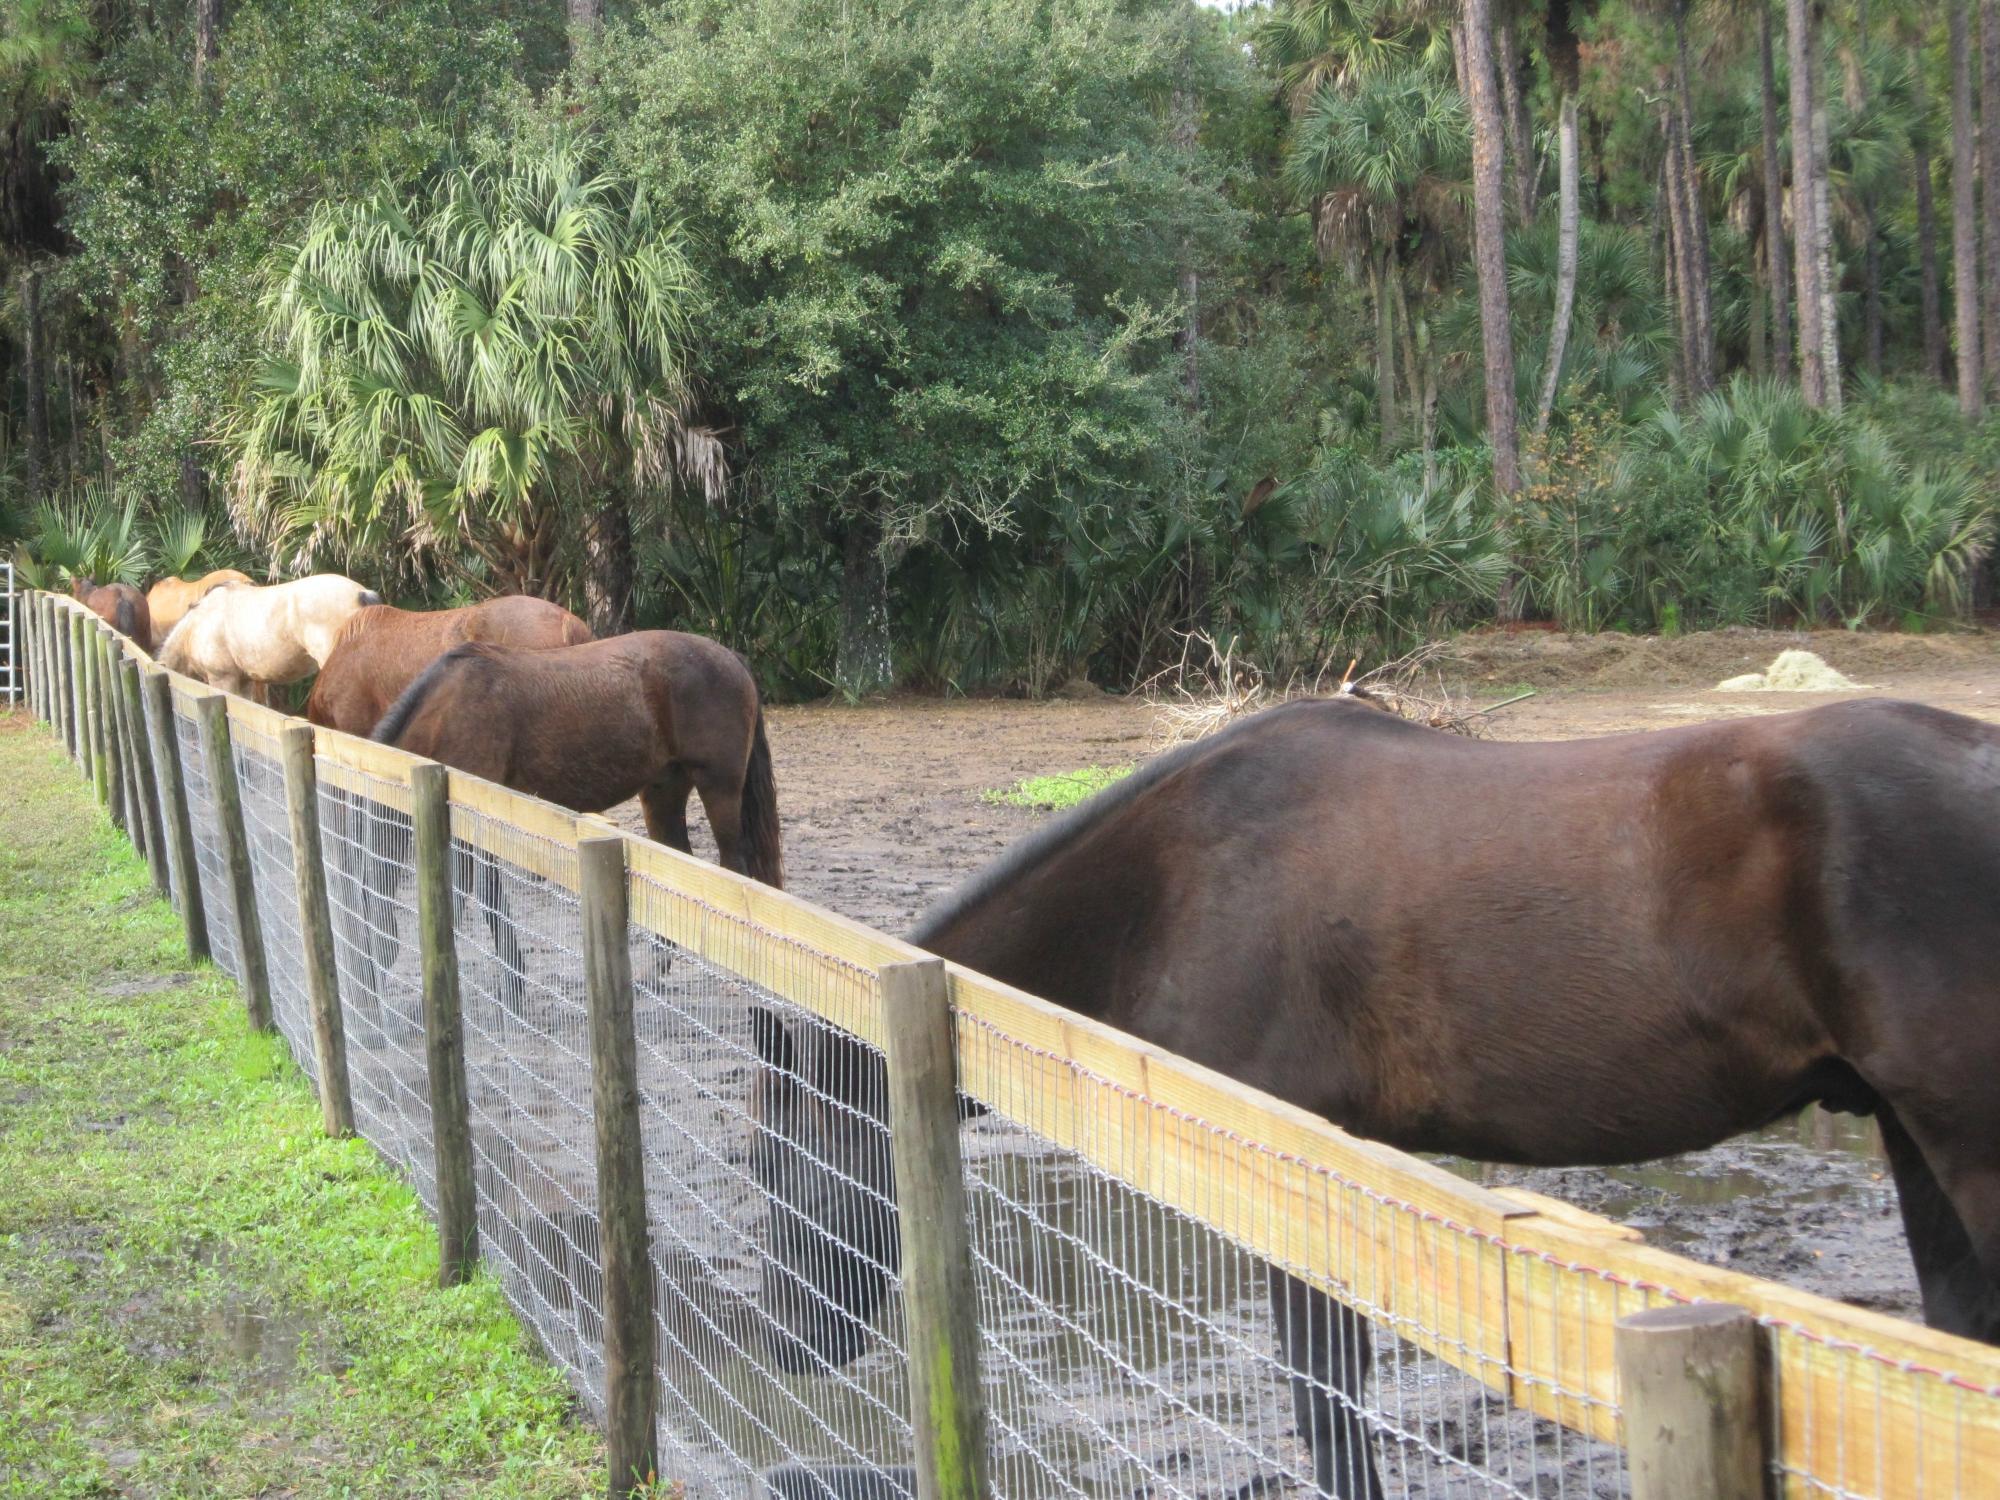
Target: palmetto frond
[{"x": 487, "y": 347}]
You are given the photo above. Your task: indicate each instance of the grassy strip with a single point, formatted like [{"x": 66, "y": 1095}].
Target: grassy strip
[
  {"x": 1055, "y": 793},
  {"x": 200, "y": 1294}
]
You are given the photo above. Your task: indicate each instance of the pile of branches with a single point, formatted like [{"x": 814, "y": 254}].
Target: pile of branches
[{"x": 1209, "y": 689}]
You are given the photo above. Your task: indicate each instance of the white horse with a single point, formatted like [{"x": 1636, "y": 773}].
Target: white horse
[{"x": 247, "y": 638}]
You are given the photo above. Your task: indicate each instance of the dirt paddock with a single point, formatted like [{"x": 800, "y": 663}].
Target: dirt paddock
[{"x": 882, "y": 813}]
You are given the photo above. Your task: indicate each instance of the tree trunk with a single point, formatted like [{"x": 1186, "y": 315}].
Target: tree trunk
[
  {"x": 1670, "y": 283},
  {"x": 1775, "y": 261},
  {"x": 1927, "y": 261},
  {"x": 34, "y": 375},
  {"x": 1569, "y": 227},
  {"x": 1680, "y": 242},
  {"x": 1826, "y": 274},
  {"x": 1489, "y": 245},
  {"x": 1989, "y": 176},
  {"x": 1760, "y": 332},
  {"x": 1520, "y": 130},
  {"x": 1872, "y": 296},
  {"x": 1964, "y": 219},
  {"x": 1380, "y": 272},
  {"x": 608, "y": 569},
  {"x": 586, "y": 14},
  {"x": 1805, "y": 218},
  {"x": 863, "y": 663},
  {"x": 1701, "y": 368},
  {"x": 207, "y": 38}
]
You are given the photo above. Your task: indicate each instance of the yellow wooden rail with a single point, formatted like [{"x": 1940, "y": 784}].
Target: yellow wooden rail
[{"x": 1518, "y": 1291}]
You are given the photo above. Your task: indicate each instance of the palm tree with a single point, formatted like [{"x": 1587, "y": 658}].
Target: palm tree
[
  {"x": 1565, "y": 62},
  {"x": 1489, "y": 245},
  {"x": 1989, "y": 183},
  {"x": 1964, "y": 218},
  {"x": 479, "y": 366},
  {"x": 1383, "y": 161},
  {"x": 1819, "y": 348}
]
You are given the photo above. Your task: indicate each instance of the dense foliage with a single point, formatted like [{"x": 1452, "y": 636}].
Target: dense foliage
[{"x": 993, "y": 344}]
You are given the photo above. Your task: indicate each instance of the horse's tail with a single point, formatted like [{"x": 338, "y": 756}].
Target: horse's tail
[
  {"x": 368, "y": 597},
  {"x": 393, "y": 725},
  {"x": 763, "y": 845},
  {"x": 127, "y": 619}
]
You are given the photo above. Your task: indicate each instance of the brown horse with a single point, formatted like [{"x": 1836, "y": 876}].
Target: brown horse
[
  {"x": 171, "y": 598},
  {"x": 1597, "y": 951},
  {"x": 656, "y": 714},
  {"x": 120, "y": 606},
  {"x": 381, "y": 650}
]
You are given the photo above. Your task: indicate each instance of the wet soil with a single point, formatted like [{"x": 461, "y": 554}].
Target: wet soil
[{"x": 883, "y": 813}]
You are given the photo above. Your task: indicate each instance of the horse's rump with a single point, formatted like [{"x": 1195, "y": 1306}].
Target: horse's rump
[
  {"x": 379, "y": 652},
  {"x": 656, "y": 714}
]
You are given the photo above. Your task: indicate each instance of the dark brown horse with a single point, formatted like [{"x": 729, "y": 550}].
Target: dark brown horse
[
  {"x": 1597, "y": 951},
  {"x": 380, "y": 651},
  {"x": 120, "y": 606},
  {"x": 656, "y": 715}
]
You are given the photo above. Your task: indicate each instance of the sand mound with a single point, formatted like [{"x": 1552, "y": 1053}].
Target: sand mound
[{"x": 1791, "y": 672}]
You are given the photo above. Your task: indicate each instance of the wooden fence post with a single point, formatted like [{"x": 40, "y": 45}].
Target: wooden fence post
[
  {"x": 79, "y": 672},
  {"x": 124, "y": 790},
  {"x": 150, "y": 809},
  {"x": 212, "y": 713},
  {"x": 71, "y": 689},
  {"x": 629, "y": 1387},
  {"x": 940, "y": 1300},
  {"x": 38, "y": 614},
  {"x": 158, "y": 693},
  {"x": 336, "y": 1104},
  {"x": 1695, "y": 1407},
  {"x": 131, "y": 745},
  {"x": 100, "y": 739},
  {"x": 444, "y": 1030},
  {"x": 28, "y": 666}
]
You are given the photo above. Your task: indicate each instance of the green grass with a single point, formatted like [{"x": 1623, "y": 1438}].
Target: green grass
[
  {"x": 200, "y": 1294},
  {"x": 1054, "y": 793}
]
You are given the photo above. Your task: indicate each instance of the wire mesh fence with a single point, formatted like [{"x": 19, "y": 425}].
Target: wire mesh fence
[
  {"x": 1183, "y": 1289},
  {"x": 218, "y": 895},
  {"x": 260, "y": 776},
  {"x": 518, "y": 934},
  {"x": 780, "y": 1339},
  {"x": 369, "y": 863}
]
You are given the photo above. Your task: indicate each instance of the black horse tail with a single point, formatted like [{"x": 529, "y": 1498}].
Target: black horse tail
[
  {"x": 763, "y": 845},
  {"x": 128, "y": 619},
  {"x": 396, "y": 719}
]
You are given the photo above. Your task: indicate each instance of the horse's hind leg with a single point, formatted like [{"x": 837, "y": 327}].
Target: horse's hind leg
[
  {"x": 1329, "y": 1350},
  {"x": 665, "y": 804},
  {"x": 489, "y": 889},
  {"x": 722, "y": 800},
  {"x": 1960, "y": 1294}
]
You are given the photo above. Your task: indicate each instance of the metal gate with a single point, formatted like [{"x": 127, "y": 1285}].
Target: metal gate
[{"x": 10, "y": 665}]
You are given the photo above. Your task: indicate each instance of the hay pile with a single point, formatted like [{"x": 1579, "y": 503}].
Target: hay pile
[{"x": 1792, "y": 672}]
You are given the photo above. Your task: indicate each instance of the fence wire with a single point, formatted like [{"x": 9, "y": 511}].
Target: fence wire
[
  {"x": 365, "y": 848},
  {"x": 218, "y": 898},
  {"x": 1151, "y": 1286},
  {"x": 778, "y": 1301},
  {"x": 519, "y": 934},
  {"x": 260, "y": 776}
]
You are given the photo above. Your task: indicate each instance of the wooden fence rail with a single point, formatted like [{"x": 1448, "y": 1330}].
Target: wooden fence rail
[{"x": 1530, "y": 1298}]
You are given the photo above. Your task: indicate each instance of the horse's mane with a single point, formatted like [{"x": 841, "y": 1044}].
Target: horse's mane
[
  {"x": 1046, "y": 842},
  {"x": 194, "y": 609},
  {"x": 353, "y": 625}
]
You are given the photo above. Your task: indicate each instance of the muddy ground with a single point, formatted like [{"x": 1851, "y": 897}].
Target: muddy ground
[{"x": 883, "y": 812}]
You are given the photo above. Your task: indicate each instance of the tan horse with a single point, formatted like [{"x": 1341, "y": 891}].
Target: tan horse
[
  {"x": 245, "y": 637},
  {"x": 171, "y": 598},
  {"x": 383, "y": 649}
]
